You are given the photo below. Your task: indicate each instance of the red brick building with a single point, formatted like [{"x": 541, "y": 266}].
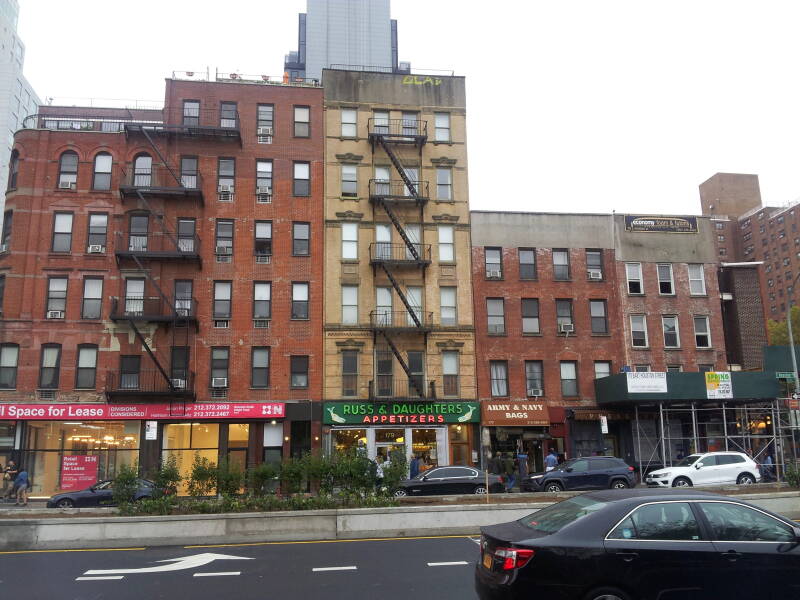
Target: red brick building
[{"x": 165, "y": 264}]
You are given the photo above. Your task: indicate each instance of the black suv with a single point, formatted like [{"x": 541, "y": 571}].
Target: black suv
[{"x": 589, "y": 473}]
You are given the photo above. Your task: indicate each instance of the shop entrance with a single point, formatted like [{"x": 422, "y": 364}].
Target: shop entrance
[
  {"x": 388, "y": 441},
  {"x": 430, "y": 445}
]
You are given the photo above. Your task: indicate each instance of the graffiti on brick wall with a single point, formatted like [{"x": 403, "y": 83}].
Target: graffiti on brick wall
[{"x": 419, "y": 80}]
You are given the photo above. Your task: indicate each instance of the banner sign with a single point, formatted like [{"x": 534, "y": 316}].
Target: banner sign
[
  {"x": 647, "y": 382},
  {"x": 78, "y": 472},
  {"x": 514, "y": 414},
  {"x": 661, "y": 224},
  {"x": 399, "y": 413},
  {"x": 103, "y": 412},
  {"x": 718, "y": 385}
]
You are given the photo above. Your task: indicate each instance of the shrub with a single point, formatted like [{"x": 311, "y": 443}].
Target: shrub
[
  {"x": 292, "y": 475},
  {"x": 123, "y": 489},
  {"x": 395, "y": 471},
  {"x": 792, "y": 474},
  {"x": 319, "y": 471},
  {"x": 261, "y": 479},
  {"x": 229, "y": 478},
  {"x": 167, "y": 478},
  {"x": 353, "y": 473},
  {"x": 203, "y": 479}
]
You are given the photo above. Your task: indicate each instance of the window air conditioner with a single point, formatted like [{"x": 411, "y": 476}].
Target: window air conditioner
[
  {"x": 264, "y": 131},
  {"x": 264, "y": 191},
  {"x": 263, "y": 259},
  {"x": 55, "y": 314},
  {"x": 261, "y": 323},
  {"x": 536, "y": 392},
  {"x": 492, "y": 273},
  {"x": 67, "y": 185},
  {"x": 224, "y": 250},
  {"x": 179, "y": 384},
  {"x": 96, "y": 249},
  {"x": 219, "y": 382},
  {"x": 595, "y": 275},
  {"x": 566, "y": 328},
  {"x": 225, "y": 189}
]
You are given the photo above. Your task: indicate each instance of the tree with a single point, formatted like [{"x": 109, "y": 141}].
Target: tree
[{"x": 779, "y": 333}]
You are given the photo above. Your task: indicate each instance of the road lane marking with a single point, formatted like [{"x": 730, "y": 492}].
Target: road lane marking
[
  {"x": 220, "y": 574},
  {"x": 174, "y": 564},
  {"x": 71, "y": 550},
  {"x": 448, "y": 564},
  {"x": 318, "y": 569},
  {"x": 389, "y": 539},
  {"x": 99, "y": 578},
  {"x": 476, "y": 540}
]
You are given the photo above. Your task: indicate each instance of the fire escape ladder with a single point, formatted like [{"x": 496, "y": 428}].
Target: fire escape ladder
[
  {"x": 161, "y": 156},
  {"x": 149, "y": 351},
  {"x": 411, "y": 378},
  {"x": 412, "y": 248},
  {"x": 411, "y": 185},
  {"x": 412, "y": 310}
]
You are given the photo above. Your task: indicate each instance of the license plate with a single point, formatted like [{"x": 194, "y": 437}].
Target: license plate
[{"x": 487, "y": 561}]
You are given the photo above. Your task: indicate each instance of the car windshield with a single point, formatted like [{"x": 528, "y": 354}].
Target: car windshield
[
  {"x": 687, "y": 461},
  {"x": 554, "y": 518}
]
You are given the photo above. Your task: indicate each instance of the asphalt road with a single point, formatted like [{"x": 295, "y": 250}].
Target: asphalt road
[{"x": 437, "y": 568}]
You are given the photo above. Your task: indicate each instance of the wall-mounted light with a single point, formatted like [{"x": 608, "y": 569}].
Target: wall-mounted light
[{"x": 286, "y": 438}]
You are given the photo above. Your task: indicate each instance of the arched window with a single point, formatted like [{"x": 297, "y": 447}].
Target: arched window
[
  {"x": 13, "y": 169},
  {"x": 68, "y": 171},
  {"x": 142, "y": 170},
  {"x": 102, "y": 172}
]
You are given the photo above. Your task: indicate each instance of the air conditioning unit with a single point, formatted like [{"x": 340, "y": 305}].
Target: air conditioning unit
[
  {"x": 221, "y": 323},
  {"x": 179, "y": 384},
  {"x": 492, "y": 273},
  {"x": 566, "y": 328},
  {"x": 225, "y": 189},
  {"x": 264, "y": 191},
  {"x": 96, "y": 249},
  {"x": 536, "y": 392},
  {"x": 595, "y": 275},
  {"x": 55, "y": 314},
  {"x": 264, "y": 131},
  {"x": 261, "y": 323},
  {"x": 67, "y": 185},
  {"x": 224, "y": 250},
  {"x": 263, "y": 259},
  {"x": 219, "y": 382},
  {"x": 182, "y": 311}
]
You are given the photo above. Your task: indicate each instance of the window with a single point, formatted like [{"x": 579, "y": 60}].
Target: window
[
  {"x": 670, "y": 327},
  {"x": 300, "y": 301},
  {"x": 349, "y": 304},
  {"x": 498, "y": 374},
  {"x": 702, "y": 335},
  {"x": 380, "y": 122},
  {"x": 349, "y": 122},
  {"x": 721, "y": 225},
  {"x": 264, "y": 117},
  {"x": 259, "y": 374},
  {"x": 98, "y": 227},
  {"x": 302, "y": 121},
  {"x": 263, "y": 242},
  {"x": 442, "y": 126},
  {"x": 383, "y": 305},
  {"x": 447, "y": 306},
  {"x": 301, "y": 185},
  {"x": 450, "y": 374},
  {"x": 224, "y": 237},
  {"x": 220, "y": 360},
  {"x": 530, "y": 315},
  {"x": 633, "y": 271},
  {"x": 564, "y": 316},
  {"x": 9, "y": 354},
  {"x": 602, "y": 368},
  {"x": 101, "y": 180},
  {"x": 494, "y": 266},
  {"x": 665, "y": 284},
  {"x": 62, "y": 232},
  {"x": 222, "y": 299},
  {"x": 57, "y": 295},
  {"x": 189, "y": 172},
  {"x": 599, "y": 316},
  {"x": 410, "y": 123},
  {"x": 560, "y": 265},
  {"x": 496, "y": 320},
  {"x": 705, "y": 368},
  {"x": 639, "y": 331},
  {"x": 228, "y": 116},
  {"x": 299, "y": 371},
  {"x": 444, "y": 184},
  {"x": 569, "y": 378},
  {"x": 697, "y": 280},
  {"x": 226, "y": 178},
  {"x": 534, "y": 378},
  {"x": 13, "y": 170},
  {"x": 594, "y": 264},
  {"x": 349, "y": 181},
  {"x": 134, "y": 296},
  {"x": 416, "y": 377},
  {"x": 191, "y": 113},
  {"x": 262, "y": 300},
  {"x": 2, "y": 292},
  {"x": 92, "y": 298},
  {"x": 186, "y": 228},
  {"x": 350, "y": 241},
  {"x": 68, "y": 171},
  {"x": 674, "y": 368},
  {"x": 49, "y": 367},
  {"x": 129, "y": 369},
  {"x": 349, "y": 373},
  {"x": 86, "y": 369},
  {"x": 183, "y": 297},
  {"x": 660, "y": 521},
  {"x": 736, "y": 523},
  {"x": 300, "y": 238},
  {"x": 179, "y": 366},
  {"x": 137, "y": 233},
  {"x": 446, "y": 244},
  {"x": 527, "y": 263},
  {"x": 5, "y": 240},
  {"x": 143, "y": 171},
  {"x": 264, "y": 177}
]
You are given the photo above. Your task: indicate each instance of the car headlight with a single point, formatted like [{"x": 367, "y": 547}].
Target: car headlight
[
  {"x": 536, "y": 476},
  {"x": 662, "y": 475}
]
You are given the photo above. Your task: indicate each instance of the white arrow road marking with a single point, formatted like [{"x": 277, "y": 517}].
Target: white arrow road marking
[
  {"x": 448, "y": 564},
  {"x": 476, "y": 540},
  {"x": 178, "y": 564},
  {"x": 318, "y": 569},
  {"x": 99, "y": 578},
  {"x": 220, "y": 574}
]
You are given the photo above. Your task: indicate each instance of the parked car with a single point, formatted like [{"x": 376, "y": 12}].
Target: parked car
[
  {"x": 589, "y": 473},
  {"x": 100, "y": 494},
  {"x": 642, "y": 544},
  {"x": 449, "y": 480},
  {"x": 707, "y": 469}
]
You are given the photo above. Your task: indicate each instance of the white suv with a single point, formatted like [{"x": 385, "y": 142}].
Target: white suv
[{"x": 711, "y": 468}]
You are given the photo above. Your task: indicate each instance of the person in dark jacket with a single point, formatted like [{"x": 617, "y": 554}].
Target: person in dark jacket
[
  {"x": 413, "y": 467},
  {"x": 21, "y": 483},
  {"x": 509, "y": 470}
]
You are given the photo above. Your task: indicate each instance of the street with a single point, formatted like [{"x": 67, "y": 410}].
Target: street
[{"x": 393, "y": 569}]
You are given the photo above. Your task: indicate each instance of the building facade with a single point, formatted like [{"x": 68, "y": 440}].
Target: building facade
[
  {"x": 162, "y": 276},
  {"x": 399, "y": 346}
]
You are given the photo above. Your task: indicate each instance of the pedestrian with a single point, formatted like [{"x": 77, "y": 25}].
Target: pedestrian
[
  {"x": 21, "y": 484},
  {"x": 550, "y": 461},
  {"x": 378, "y": 472},
  {"x": 9, "y": 474},
  {"x": 508, "y": 469},
  {"x": 493, "y": 464},
  {"x": 768, "y": 469},
  {"x": 522, "y": 465},
  {"x": 413, "y": 467}
]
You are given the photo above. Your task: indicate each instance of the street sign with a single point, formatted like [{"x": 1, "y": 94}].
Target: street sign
[
  {"x": 784, "y": 375},
  {"x": 178, "y": 564}
]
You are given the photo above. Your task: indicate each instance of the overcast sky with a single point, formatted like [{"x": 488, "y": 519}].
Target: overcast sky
[{"x": 581, "y": 106}]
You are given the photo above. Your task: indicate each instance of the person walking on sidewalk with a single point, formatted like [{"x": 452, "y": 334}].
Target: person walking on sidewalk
[
  {"x": 550, "y": 461},
  {"x": 9, "y": 475},
  {"x": 21, "y": 483},
  {"x": 508, "y": 469}
]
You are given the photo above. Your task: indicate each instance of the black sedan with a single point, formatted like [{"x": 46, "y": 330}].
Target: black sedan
[
  {"x": 100, "y": 494},
  {"x": 449, "y": 480},
  {"x": 642, "y": 545}
]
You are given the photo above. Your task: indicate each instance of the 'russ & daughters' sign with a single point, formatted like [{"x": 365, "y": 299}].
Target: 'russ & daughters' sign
[{"x": 400, "y": 413}]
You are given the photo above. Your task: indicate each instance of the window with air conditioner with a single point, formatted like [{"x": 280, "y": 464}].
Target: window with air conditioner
[
  {"x": 68, "y": 171},
  {"x": 265, "y": 125},
  {"x": 97, "y": 231},
  {"x": 223, "y": 239},
  {"x": 222, "y": 300},
  {"x": 493, "y": 261},
  {"x": 564, "y": 319},
  {"x": 219, "y": 367},
  {"x": 264, "y": 181},
  {"x": 183, "y": 298},
  {"x": 262, "y": 300},
  {"x": 534, "y": 378},
  {"x": 56, "y": 297},
  {"x": 495, "y": 312},
  {"x": 179, "y": 367},
  {"x": 226, "y": 179},
  {"x": 594, "y": 264}
]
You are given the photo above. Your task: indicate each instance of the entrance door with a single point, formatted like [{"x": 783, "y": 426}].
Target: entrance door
[{"x": 388, "y": 441}]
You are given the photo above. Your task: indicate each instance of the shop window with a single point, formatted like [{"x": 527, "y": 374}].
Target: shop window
[
  {"x": 569, "y": 378},
  {"x": 49, "y": 367},
  {"x": 86, "y": 369},
  {"x": 349, "y": 439},
  {"x": 9, "y": 356},
  {"x": 534, "y": 378},
  {"x": 185, "y": 441},
  {"x": 349, "y": 373},
  {"x": 498, "y": 375},
  {"x": 259, "y": 377},
  {"x": 299, "y": 371}
]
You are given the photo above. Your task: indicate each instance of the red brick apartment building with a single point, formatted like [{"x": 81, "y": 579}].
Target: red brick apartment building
[
  {"x": 564, "y": 299},
  {"x": 162, "y": 280}
]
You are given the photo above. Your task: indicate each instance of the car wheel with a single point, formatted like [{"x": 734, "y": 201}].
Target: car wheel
[
  {"x": 553, "y": 487},
  {"x": 65, "y": 503},
  {"x": 619, "y": 484},
  {"x": 682, "y": 482},
  {"x": 607, "y": 593},
  {"x": 745, "y": 479},
  {"x": 479, "y": 489},
  {"x": 401, "y": 493}
]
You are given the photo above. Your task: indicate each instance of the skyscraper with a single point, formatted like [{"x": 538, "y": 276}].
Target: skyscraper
[{"x": 356, "y": 33}]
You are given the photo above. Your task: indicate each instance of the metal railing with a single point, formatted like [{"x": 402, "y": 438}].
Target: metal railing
[
  {"x": 160, "y": 177},
  {"x": 149, "y": 382},
  {"x": 152, "y": 308},
  {"x": 72, "y": 120},
  {"x": 383, "y": 188},
  {"x": 413, "y": 129},
  {"x": 156, "y": 243},
  {"x": 389, "y": 387},
  {"x": 400, "y": 319},
  {"x": 398, "y": 253},
  {"x": 260, "y": 79}
]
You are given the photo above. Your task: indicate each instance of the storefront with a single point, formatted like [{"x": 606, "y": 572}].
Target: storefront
[
  {"x": 518, "y": 427},
  {"x": 601, "y": 432},
  {"x": 71, "y": 446},
  {"x": 439, "y": 433}
]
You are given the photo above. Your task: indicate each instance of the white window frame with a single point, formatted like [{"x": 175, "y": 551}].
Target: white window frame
[
  {"x": 644, "y": 328},
  {"x": 350, "y": 241},
  {"x": 677, "y": 331},
  {"x": 638, "y": 277},
  {"x": 671, "y": 279},
  {"x": 349, "y": 122},
  {"x": 349, "y": 305},
  {"x": 447, "y": 251},
  {"x": 451, "y": 309},
  {"x": 444, "y": 184},
  {"x": 349, "y": 174},
  {"x": 693, "y": 280},
  {"x": 707, "y": 332},
  {"x": 441, "y": 123},
  {"x": 601, "y": 374}
]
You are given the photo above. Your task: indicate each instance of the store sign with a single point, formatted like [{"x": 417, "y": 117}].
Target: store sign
[
  {"x": 647, "y": 382},
  {"x": 151, "y": 430},
  {"x": 603, "y": 424},
  {"x": 719, "y": 385},
  {"x": 654, "y": 224},
  {"x": 103, "y": 412},
  {"x": 78, "y": 472},
  {"x": 399, "y": 413},
  {"x": 514, "y": 414}
]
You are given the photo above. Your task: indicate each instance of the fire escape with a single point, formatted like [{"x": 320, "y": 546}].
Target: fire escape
[{"x": 395, "y": 197}]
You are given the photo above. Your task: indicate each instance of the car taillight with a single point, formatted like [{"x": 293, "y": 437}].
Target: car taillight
[
  {"x": 630, "y": 469},
  {"x": 513, "y": 558}
]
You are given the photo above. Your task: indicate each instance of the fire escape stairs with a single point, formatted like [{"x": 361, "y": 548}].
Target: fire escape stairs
[{"x": 411, "y": 378}]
